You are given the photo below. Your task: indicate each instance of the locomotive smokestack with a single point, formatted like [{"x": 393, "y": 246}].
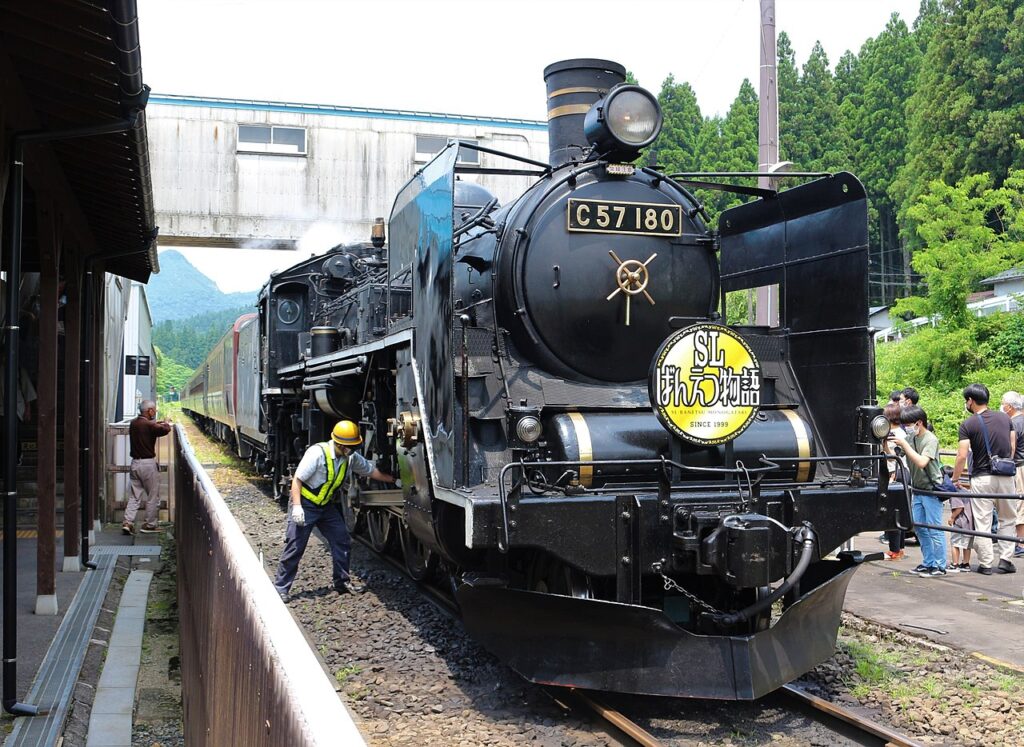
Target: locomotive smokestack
[{"x": 573, "y": 87}]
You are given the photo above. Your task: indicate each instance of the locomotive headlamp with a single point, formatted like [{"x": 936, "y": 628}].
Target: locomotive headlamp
[
  {"x": 880, "y": 427},
  {"x": 626, "y": 120},
  {"x": 528, "y": 429}
]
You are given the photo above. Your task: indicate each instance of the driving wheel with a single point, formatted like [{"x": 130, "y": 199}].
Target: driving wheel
[{"x": 420, "y": 561}]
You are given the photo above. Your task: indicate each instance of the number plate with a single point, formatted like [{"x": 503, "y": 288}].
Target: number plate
[{"x": 644, "y": 218}]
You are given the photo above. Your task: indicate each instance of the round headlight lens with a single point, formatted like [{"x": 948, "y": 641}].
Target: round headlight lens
[
  {"x": 633, "y": 116},
  {"x": 528, "y": 429},
  {"x": 880, "y": 427}
]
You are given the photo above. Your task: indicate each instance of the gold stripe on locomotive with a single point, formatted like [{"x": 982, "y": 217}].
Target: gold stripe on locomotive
[
  {"x": 803, "y": 445},
  {"x": 586, "y": 449},
  {"x": 578, "y": 89},
  {"x": 564, "y": 111}
]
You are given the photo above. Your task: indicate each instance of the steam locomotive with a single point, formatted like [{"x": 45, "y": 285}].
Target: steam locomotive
[{"x": 624, "y": 493}]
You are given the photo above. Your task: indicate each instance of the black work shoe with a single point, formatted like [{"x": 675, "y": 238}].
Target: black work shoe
[
  {"x": 984, "y": 570},
  {"x": 1005, "y": 566},
  {"x": 350, "y": 587}
]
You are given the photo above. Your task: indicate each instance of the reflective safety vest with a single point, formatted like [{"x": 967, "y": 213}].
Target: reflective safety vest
[{"x": 323, "y": 495}]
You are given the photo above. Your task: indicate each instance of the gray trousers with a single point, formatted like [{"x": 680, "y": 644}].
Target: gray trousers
[
  {"x": 145, "y": 488},
  {"x": 1006, "y": 508}
]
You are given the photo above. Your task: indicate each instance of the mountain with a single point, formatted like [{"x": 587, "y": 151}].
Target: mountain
[{"x": 180, "y": 291}]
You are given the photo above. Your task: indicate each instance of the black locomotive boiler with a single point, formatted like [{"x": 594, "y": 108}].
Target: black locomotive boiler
[{"x": 506, "y": 359}]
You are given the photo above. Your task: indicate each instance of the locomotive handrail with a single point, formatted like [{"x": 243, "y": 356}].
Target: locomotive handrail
[
  {"x": 852, "y": 458},
  {"x": 503, "y": 540},
  {"x": 512, "y": 156},
  {"x": 698, "y": 206}
]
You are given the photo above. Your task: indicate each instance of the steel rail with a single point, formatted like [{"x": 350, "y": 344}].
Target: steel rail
[
  {"x": 884, "y": 734},
  {"x": 621, "y": 722}
]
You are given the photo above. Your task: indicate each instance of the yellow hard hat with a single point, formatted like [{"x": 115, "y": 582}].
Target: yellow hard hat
[{"x": 346, "y": 433}]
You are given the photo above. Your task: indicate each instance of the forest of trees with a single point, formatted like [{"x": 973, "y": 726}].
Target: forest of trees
[
  {"x": 942, "y": 98},
  {"x": 188, "y": 341},
  {"x": 183, "y": 344}
]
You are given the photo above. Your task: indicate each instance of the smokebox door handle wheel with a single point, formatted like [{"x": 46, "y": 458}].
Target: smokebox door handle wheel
[{"x": 632, "y": 278}]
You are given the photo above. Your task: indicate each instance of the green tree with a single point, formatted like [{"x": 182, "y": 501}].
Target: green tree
[
  {"x": 969, "y": 231},
  {"x": 189, "y": 341},
  {"x": 787, "y": 80},
  {"x": 677, "y": 145},
  {"x": 730, "y": 144},
  {"x": 873, "y": 114},
  {"x": 966, "y": 114},
  {"x": 814, "y": 121},
  {"x": 170, "y": 373}
]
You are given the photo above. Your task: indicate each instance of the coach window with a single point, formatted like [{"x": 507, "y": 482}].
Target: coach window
[
  {"x": 428, "y": 146},
  {"x": 283, "y": 141}
]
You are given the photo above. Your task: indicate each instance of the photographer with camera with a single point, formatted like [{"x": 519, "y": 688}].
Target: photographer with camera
[{"x": 921, "y": 449}]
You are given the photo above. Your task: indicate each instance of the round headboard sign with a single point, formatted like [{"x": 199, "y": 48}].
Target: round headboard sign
[{"x": 705, "y": 384}]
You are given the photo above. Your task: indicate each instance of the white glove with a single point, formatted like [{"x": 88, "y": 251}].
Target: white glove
[
  {"x": 298, "y": 516},
  {"x": 398, "y": 483}
]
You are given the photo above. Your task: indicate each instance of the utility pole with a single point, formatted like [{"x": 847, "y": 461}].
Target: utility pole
[{"x": 767, "y": 311}]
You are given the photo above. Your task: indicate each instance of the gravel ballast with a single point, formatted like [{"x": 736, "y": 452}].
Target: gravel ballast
[{"x": 411, "y": 675}]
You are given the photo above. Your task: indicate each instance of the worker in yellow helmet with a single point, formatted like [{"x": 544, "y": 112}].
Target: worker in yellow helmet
[{"x": 316, "y": 481}]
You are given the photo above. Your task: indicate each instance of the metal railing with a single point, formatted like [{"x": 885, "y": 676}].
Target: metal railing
[{"x": 247, "y": 674}]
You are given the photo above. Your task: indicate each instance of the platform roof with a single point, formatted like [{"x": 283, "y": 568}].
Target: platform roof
[{"x": 68, "y": 64}]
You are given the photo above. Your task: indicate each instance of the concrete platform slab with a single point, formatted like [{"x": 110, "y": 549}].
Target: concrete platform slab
[
  {"x": 128, "y": 625},
  {"x": 983, "y": 614},
  {"x": 114, "y": 700},
  {"x": 110, "y": 730},
  {"x": 115, "y": 692},
  {"x": 119, "y": 674}
]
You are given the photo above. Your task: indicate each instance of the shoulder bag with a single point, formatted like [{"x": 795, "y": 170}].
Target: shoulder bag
[{"x": 1000, "y": 465}]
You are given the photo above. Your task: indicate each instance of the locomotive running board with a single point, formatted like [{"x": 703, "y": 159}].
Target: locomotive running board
[{"x": 600, "y": 645}]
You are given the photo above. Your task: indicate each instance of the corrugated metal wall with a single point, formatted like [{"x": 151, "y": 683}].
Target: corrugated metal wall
[
  {"x": 209, "y": 194},
  {"x": 248, "y": 675}
]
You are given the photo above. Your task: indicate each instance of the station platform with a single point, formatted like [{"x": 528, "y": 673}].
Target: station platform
[
  {"x": 52, "y": 648},
  {"x": 983, "y": 615}
]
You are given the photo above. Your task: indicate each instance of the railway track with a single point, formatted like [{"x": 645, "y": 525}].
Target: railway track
[
  {"x": 842, "y": 721},
  {"x": 845, "y": 721}
]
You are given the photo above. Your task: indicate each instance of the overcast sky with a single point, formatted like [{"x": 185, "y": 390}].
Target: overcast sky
[{"x": 483, "y": 57}]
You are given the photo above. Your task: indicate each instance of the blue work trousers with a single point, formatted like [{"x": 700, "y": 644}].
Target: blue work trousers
[
  {"x": 331, "y": 523},
  {"x": 927, "y": 509}
]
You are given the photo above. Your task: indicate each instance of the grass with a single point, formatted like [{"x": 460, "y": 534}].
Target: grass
[
  {"x": 882, "y": 669},
  {"x": 892, "y": 671},
  {"x": 342, "y": 675},
  {"x": 1008, "y": 683}
]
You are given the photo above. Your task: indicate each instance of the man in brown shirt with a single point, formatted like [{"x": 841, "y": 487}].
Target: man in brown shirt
[{"x": 143, "y": 433}]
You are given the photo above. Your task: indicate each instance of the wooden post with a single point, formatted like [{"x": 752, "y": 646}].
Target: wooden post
[
  {"x": 97, "y": 398},
  {"x": 72, "y": 368},
  {"x": 46, "y": 440},
  {"x": 172, "y": 473}
]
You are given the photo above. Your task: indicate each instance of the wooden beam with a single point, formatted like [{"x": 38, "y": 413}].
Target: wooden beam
[
  {"x": 46, "y": 438},
  {"x": 72, "y": 369},
  {"x": 42, "y": 170}
]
